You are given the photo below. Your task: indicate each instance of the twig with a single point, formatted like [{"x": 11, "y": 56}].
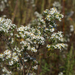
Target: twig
[
  {"x": 63, "y": 3},
  {"x": 15, "y": 10}
]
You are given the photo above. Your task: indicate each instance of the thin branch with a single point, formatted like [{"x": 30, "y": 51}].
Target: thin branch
[
  {"x": 15, "y": 10},
  {"x": 63, "y": 3}
]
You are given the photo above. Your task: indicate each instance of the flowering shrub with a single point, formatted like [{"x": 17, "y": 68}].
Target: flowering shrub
[
  {"x": 26, "y": 42},
  {"x": 6, "y": 25}
]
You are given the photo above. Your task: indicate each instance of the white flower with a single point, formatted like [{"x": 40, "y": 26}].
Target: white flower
[
  {"x": 12, "y": 40},
  {"x": 15, "y": 58},
  {"x": 48, "y": 46},
  {"x": 7, "y": 52},
  {"x": 56, "y": 4},
  {"x": 29, "y": 47},
  {"x": 1, "y": 55},
  {"x": 8, "y": 56},
  {"x": 33, "y": 49},
  {"x": 59, "y": 19},
  {"x": 61, "y": 73},
  {"x": 35, "y": 67},
  {"x": 71, "y": 28},
  {"x": 11, "y": 34},
  {"x": 21, "y": 28},
  {"x": 57, "y": 16},
  {"x": 52, "y": 30},
  {"x": 11, "y": 63},
  {"x": 4, "y": 69},
  {"x": 25, "y": 60}
]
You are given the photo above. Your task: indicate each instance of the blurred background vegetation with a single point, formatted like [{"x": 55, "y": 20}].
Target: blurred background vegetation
[{"x": 21, "y": 12}]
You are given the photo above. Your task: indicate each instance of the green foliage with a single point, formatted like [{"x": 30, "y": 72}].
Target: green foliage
[
  {"x": 70, "y": 63},
  {"x": 45, "y": 68}
]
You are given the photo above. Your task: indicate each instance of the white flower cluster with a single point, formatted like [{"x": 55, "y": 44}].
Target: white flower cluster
[
  {"x": 52, "y": 14},
  {"x": 50, "y": 28},
  {"x": 38, "y": 15},
  {"x": 57, "y": 5},
  {"x": 6, "y": 25},
  {"x": 57, "y": 36},
  {"x": 30, "y": 36},
  {"x": 57, "y": 46},
  {"x": 9, "y": 55},
  {"x": 3, "y": 4},
  {"x": 6, "y": 71}
]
